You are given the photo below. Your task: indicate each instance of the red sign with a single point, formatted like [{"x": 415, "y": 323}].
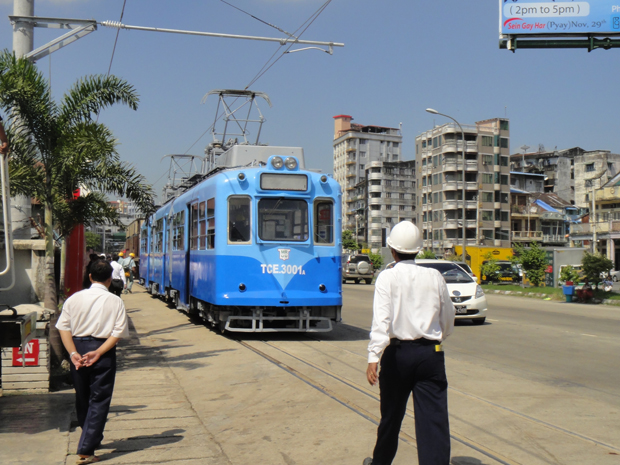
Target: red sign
[
  {"x": 549, "y": 269},
  {"x": 31, "y": 353}
]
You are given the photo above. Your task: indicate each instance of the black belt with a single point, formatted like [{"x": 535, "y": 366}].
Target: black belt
[
  {"x": 90, "y": 338},
  {"x": 423, "y": 342}
]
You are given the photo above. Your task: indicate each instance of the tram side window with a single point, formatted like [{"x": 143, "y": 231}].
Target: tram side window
[
  {"x": 324, "y": 222},
  {"x": 143, "y": 242},
  {"x": 239, "y": 219},
  {"x": 211, "y": 223},
  {"x": 178, "y": 231},
  {"x": 283, "y": 220},
  {"x": 159, "y": 236},
  {"x": 194, "y": 237},
  {"x": 202, "y": 226}
]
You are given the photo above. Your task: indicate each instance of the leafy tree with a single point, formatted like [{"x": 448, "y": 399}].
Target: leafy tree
[
  {"x": 427, "y": 253},
  {"x": 376, "y": 259},
  {"x": 454, "y": 257},
  {"x": 348, "y": 242},
  {"x": 93, "y": 241},
  {"x": 594, "y": 265},
  {"x": 58, "y": 148},
  {"x": 569, "y": 274},
  {"x": 490, "y": 268},
  {"x": 533, "y": 261}
]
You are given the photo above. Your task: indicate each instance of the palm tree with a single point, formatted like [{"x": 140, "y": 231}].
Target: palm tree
[{"x": 58, "y": 148}]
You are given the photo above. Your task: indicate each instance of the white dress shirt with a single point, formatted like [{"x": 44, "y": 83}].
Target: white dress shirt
[
  {"x": 118, "y": 272},
  {"x": 411, "y": 302},
  {"x": 94, "y": 312}
]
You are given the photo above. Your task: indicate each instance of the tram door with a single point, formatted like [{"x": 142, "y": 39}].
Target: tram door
[
  {"x": 192, "y": 244},
  {"x": 169, "y": 250}
]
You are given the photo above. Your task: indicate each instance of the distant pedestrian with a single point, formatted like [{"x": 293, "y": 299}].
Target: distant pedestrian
[
  {"x": 118, "y": 276},
  {"x": 412, "y": 315},
  {"x": 129, "y": 266},
  {"x": 90, "y": 325}
]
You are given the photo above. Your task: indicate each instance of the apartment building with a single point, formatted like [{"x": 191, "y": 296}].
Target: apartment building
[
  {"x": 384, "y": 198},
  {"x": 570, "y": 173},
  {"x": 477, "y": 188},
  {"x": 355, "y": 147}
]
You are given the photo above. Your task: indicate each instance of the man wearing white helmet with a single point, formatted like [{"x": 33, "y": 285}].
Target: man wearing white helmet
[{"x": 412, "y": 315}]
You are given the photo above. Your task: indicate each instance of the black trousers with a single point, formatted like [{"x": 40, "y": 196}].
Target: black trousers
[
  {"x": 93, "y": 393},
  {"x": 416, "y": 367}
]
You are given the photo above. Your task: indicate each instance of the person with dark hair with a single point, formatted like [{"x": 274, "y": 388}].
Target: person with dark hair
[
  {"x": 86, "y": 280},
  {"x": 118, "y": 276},
  {"x": 90, "y": 325},
  {"x": 412, "y": 315}
]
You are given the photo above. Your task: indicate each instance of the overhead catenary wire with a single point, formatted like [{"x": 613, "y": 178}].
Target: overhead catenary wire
[
  {"x": 258, "y": 19},
  {"x": 116, "y": 39},
  {"x": 267, "y": 66}
]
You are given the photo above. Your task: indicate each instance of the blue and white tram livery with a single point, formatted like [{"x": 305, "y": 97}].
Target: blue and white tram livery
[{"x": 255, "y": 246}]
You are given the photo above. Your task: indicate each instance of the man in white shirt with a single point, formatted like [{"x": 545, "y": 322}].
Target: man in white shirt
[
  {"x": 90, "y": 325},
  {"x": 412, "y": 315},
  {"x": 118, "y": 277}
]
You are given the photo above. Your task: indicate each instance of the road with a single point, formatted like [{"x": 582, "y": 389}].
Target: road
[{"x": 534, "y": 385}]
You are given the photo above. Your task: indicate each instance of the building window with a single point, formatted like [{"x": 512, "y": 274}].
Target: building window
[
  {"x": 503, "y": 142},
  {"x": 589, "y": 167},
  {"x": 487, "y": 141},
  {"x": 361, "y": 167},
  {"x": 363, "y": 141},
  {"x": 503, "y": 161},
  {"x": 487, "y": 159},
  {"x": 487, "y": 215},
  {"x": 362, "y": 154},
  {"x": 503, "y": 180},
  {"x": 503, "y": 125},
  {"x": 394, "y": 157},
  {"x": 487, "y": 178},
  {"x": 487, "y": 196}
]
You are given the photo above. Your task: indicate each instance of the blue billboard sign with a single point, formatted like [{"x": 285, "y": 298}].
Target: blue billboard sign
[{"x": 567, "y": 17}]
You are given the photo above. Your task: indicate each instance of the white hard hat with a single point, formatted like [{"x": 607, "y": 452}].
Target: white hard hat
[{"x": 405, "y": 238}]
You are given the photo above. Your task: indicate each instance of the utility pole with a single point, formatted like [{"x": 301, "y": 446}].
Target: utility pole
[{"x": 23, "y": 40}]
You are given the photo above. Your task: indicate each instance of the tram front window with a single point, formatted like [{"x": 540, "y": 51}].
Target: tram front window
[{"x": 283, "y": 220}]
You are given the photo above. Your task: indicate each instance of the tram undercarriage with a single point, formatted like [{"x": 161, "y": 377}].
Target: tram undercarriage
[{"x": 258, "y": 319}]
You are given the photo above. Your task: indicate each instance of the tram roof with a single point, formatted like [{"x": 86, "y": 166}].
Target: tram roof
[{"x": 242, "y": 155}]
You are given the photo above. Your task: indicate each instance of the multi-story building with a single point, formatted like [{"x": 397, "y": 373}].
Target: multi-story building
[
  {"x": 570, "y": 173},
  {"x": 355, "y": 148},
  {"x": 384, "y": 198},
  {"x": 483, "y": 180}
]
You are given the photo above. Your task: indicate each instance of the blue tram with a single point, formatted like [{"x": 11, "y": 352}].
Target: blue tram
[{"x": 255, "y": 246}]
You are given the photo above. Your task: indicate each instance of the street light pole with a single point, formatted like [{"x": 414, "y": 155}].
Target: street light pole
[{"x": 435, "y": 112}]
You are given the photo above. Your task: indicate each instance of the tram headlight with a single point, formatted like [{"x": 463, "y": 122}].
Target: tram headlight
[
  {"x": 277, "y": 162},
  {"x": 322, "y": 287},
  {"x": 241, "y": 177},
  {"x": 323, "y": 178},
  {"x": 290, "y": 163},
  {"x": 242, "y": 287}
]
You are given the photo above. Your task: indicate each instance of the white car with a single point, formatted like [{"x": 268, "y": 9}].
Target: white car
[{"x": 467, "y": 296}]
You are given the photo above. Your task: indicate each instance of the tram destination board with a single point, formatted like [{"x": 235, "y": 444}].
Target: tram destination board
[{"x": 559, "y": 18}]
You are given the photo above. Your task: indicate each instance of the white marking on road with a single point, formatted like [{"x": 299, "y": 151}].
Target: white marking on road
[
  {"x": 489, "y": 319},
  {"x": 590, "y": 335}
]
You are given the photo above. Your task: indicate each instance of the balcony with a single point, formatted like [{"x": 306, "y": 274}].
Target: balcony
[
  {"x": 351, "y": 161},
  {"x": 471, "y": 204},
  {"x": 451, "y": 186},
  {"x": 351, "y": 175},
  {"x": 600, "y": 228},
  {"x": 375, "y": 189},
  {"x": 608, "y": 193},
  {"x": 554, "y": 239},
  {"x": 351, "y": 149},
  {"x": 451, "y": 224},
  {"x": 450, "y": 204},
  {"x": 471, "y": 165},
  {"x": 471, "y": 186},
  {"x": 527, "y": 236},
  {"x": 372, "y": 176}
]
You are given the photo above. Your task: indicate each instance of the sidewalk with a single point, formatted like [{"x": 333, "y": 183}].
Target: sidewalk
[{"x": 150, "y": 421}]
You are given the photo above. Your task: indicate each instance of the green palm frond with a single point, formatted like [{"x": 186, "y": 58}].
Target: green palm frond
[{"x": 91, "y": 94}]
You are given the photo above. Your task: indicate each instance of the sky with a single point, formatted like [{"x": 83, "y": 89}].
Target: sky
[{"x": 400, "y": 57}]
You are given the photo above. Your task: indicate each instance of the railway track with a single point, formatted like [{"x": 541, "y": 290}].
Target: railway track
[{"x": 364, "y": 402}]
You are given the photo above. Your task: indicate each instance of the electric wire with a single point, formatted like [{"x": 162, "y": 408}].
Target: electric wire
[
  {"x": 268, "y": 66},
  {"x": 258, "y": 19},
  {"x": 116, "y": 39}
]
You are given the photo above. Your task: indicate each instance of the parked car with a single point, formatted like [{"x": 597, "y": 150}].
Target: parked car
[
  {"x": 357, "y": 268},
  {"x": 467, "y": 268},
  {"x": 467, "y": 296},
  {"x": 507, "y": 273}
]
